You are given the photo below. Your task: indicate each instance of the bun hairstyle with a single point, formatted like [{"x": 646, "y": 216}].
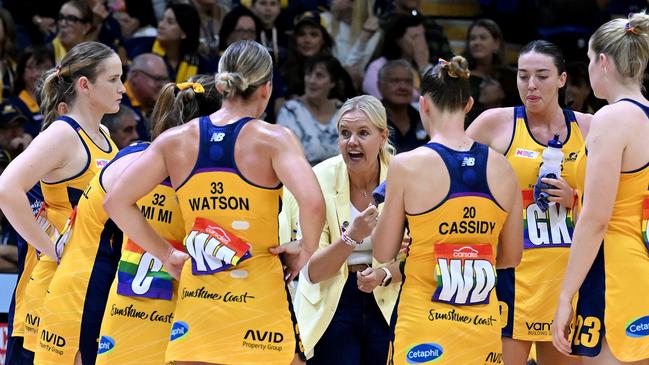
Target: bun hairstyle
[
  {"x": 244, "y": 67},
  {"x": 178, "y": 104},
  {"x": 447, "y": 84},
  {"x": 626, "y": 41},
  {"x": 83, "y": 60}
]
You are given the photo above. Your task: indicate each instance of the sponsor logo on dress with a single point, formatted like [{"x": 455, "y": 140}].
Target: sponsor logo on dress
[
  {"x": 106, "y": 345},
  {"x": 520, "y": 152},
  {"x": 638, "y": 327},
  {"x": 424, "y": 353},
  {"x": 539, "y": 328},
  {"x": 101, "y": 163},
  {"x": 179, "y": 330},
  {"x": 263, "y": 340}
]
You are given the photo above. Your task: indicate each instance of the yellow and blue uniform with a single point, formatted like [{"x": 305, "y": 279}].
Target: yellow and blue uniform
[
  {"x": 137, "y": 320},
  {"x": 529, "y": 293},
  {"x": 614, "y": 297},
  {"x": 231, "y": 309},
  {"x": 447, "y": 312},
  {"x": 16, "y": 316},
  {"x": 60, "y": 198}
]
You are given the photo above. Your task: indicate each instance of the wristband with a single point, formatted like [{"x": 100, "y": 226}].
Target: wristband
[
  {"x": 388, "y": 276},
  {"x": 350, "y": 241}
]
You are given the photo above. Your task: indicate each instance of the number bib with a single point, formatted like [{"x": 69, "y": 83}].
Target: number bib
[
  {"x": 552, "y": 228},
  {"x": 140, "y": 274},
  {"x": 465, "y": 274},
  {"x": 214, "y": 249}
]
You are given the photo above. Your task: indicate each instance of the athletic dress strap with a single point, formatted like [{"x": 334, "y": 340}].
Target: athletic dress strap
[
  {"x": 467, "y": 169},
  {"x": 644, "y": 108}
]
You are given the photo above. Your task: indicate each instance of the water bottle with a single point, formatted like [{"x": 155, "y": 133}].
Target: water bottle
[{"x": 552, "y": 158}]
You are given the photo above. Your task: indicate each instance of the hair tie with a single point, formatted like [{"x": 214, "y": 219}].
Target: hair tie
[
  {"x": 442, "y": 62},
  {"x": 198, "y": 88},
  {"x": 58, "y": 71},
  {"x": 629, "y": 29}
]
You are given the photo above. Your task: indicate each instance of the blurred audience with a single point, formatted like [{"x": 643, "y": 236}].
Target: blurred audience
[
  {"x": 396, "y": 83},
  {"x": 356, "y": 34},
  {"x": 13, "y": 138},
  {"x": 239, "y": 24},
  {"x": 311, "y": 116},
  {"x": 74, "y": 24},
  {"x": 122, "y": 126},
  {"x": 31, "y": 66},
  {"x": 403, "y": 40},
  {"x": 211, "y": 14},
  {"x": 145, "y": 78},
  {"x": 7, "y": 53},
  {"x": 8, "y": 236},
  {"x": 579, "y": 95},
  {"x": 271, "y": 36}
]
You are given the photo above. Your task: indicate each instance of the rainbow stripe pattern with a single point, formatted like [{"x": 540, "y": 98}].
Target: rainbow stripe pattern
[
  {"x": 140, "y": 274},
  {"x": 552, "y": 228},
  {"x": 645, "y": 222}
]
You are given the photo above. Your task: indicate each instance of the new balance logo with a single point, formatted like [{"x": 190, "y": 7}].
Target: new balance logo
[
  {"x": 217, "y": 137},
  {"x": 468, "y": 161}
]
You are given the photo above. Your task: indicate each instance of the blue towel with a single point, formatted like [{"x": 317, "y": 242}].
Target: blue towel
[
  {"x": 541, "y": 197},
  {"x": 379, "y": 193}
]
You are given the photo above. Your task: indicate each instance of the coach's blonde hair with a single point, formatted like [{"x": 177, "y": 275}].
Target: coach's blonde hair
[
  {"x": 375, "y": 113},
  {"x": 626, "y": 41},
  {"x": 244, "y": 67}
]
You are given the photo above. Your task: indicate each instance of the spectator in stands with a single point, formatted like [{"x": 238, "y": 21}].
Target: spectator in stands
[
  {"x": 396, "y": 83},
  {"x": 438, "y": 45},
  {"x": 122, "y": 126},
  {"x": 8, "y": 236},
  {"x": 211, "y": 14},
  {"x": 239, "y": 24},
  {"x": 310, "y": 38},
  {"x": 496, "y": 90},
  {"x": 177, "y": 42},
  {"x": 34, "y": 61},
  {"x": 579, "y": 95},
  {"x": 145, "y": 78},
  {"x": 272, "y": 37},
  {"x": 74, "y": 26},
  {"x": 484, "y": 48},
  {"x": 311, "y": 116},
  {"x": 138, "y": 19},
  {"x": 12, "y": 135},
  {"x": 405, "y": 39},
  {"x": 485, "y": 51},
  {"x": 7, "y": 53},
  {"x": 355, "y": 30}
]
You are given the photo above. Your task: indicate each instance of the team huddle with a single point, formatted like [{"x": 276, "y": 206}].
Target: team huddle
[{"x": 183, "y": 250}]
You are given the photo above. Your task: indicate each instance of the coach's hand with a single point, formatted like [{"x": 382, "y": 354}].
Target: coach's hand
[{"x": 294, "y": 256}]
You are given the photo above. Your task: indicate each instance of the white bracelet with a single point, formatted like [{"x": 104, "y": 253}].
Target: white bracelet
[{"x": 350, "y": 241}]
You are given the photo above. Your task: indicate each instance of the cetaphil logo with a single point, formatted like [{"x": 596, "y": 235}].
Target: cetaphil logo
[
  {"x": 638, "y": 327},
  {"x": 424, "y": 353},
  {"x": 520, "y": 152},
  {"x": 178, "y": 330},
  {"x": 106, "y": 344}
]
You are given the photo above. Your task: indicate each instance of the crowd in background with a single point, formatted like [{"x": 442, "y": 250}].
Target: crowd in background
[{"x": 324, "y": 52}]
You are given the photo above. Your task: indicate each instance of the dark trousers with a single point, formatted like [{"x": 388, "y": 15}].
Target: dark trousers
[
  {"x": 358, "y": 333},
  {"x": 16, "y": 354}
]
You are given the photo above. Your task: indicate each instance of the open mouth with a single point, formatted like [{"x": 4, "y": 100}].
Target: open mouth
[{"x": 355, "y": 155}]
